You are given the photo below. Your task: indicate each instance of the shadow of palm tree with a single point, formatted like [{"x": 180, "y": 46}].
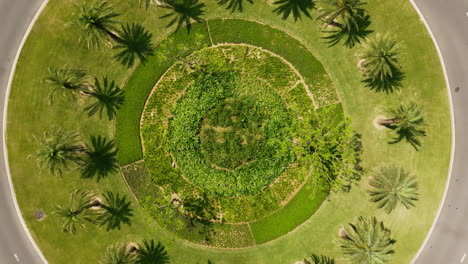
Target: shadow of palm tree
[
  {"x": 234, "y": 5},
  {"x": 316, "y": 259},
  {"x": 134, "y": 42},
  {"x": 99, "y": 159},
  {"x": 183, "y": 12},
  {"x": 150, "y": 253},
  {"x": 388, "y": 85},
  {"x": 116, "y": 211},
  {"x": 352, "y": 35},
  {"x": 108, "y": 97},
  {"x": 409, "y": 134},
  {"x": 296, "y": 7}
]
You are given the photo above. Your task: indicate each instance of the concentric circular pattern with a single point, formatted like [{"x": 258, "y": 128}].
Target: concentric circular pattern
[
  {"x": 229, "y": 131},
  {"x": 221, "y": 134},
  {"x": 226, "y": 112}
]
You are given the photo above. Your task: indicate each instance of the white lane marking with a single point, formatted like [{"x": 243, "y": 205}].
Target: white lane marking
[
  {"x": 16, "y": 257},
  {"x": 463, "y": 258}
]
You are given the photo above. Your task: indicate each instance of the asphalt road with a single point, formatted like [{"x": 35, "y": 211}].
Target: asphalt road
[
  {"x": 448, "y": 20},
  {"x": 15, "y": 246},
  {"x": 448, "y": 242}
]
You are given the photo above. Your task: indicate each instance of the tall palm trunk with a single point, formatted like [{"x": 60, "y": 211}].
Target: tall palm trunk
[
  {"x": 390, "y": 121},
  {"x": 111, "y": 34}
]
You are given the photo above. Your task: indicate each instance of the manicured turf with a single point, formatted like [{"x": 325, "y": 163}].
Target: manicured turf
[
  {"x": 53, "y": 42},
  {"x": 297, "y": 211}
]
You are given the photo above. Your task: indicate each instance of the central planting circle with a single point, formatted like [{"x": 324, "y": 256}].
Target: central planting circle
[
  {"x": 221, "y": 134},
  {"x": 230, "y": 134}
]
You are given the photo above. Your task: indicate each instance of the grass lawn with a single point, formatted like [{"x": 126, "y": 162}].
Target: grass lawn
[{"x": 53, "y": 42}]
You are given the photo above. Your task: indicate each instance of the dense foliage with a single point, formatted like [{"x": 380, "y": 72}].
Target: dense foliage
[
  {"x": 335, "y": 150},
  {"x": 270, "y": 158}
]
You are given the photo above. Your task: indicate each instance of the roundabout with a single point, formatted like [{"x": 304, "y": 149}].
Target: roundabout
[{"x": 292, "y": 222}]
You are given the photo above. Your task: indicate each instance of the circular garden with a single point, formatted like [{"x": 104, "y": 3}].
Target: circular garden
[
  {"x": 228, "y": 131},
  {"x": 221, "y": 134}
]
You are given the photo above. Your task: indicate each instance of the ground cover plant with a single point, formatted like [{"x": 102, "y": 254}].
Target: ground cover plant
[{"x": 423, "y": 84}]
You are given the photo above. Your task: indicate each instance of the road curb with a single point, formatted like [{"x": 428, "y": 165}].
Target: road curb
[
  {"x": 5, "y": 150},
  {"x": 441, "y": 59}
]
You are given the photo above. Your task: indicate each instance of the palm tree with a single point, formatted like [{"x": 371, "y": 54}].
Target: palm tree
[
  {"x": 234, "y": 4},
  {"x": 351, "y": 36},
  {"x": 78, "y": 211},
  {"x": 59, "y": 150},
  {"x": 69, "y": 81},
  {"x": 118, "y": 254},
  {"x": 151, "y": 253},
  {"x": 392, "y": 185},
  {"x": 99, "y": 159},
  {"x": 134, "y": 41},
  {"x": 407, "y": 122},
  {"x": 116, "y": 211},
  {"x": 378, "y": 60},
  {"x": 367, "y": 241},
  {"x": 96, "y": 21},
  {"x": 315, "y": 259},
  {"x": 108, "y": 97},
  {"x": 342, "y": 13},
  {"x": 184, "y": 11},
  {"x": 296, "y": 7}
]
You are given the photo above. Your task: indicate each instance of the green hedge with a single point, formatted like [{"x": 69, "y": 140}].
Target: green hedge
[
  {"x": 302, "y": 206},
  {"x": 139, "y": 86}
]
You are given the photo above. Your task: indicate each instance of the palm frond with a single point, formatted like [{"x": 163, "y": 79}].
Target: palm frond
[
  {"x": 118, "y": 253},
  {"x": 59, "y": 150},
  {"x": 344, "y": 13},
  {"x": 68, "y": 81},
  {"x": 96, "y": 21},
  {"x": 367, "y": 241},
  {"x": 390, "y": 186},
  {"x": 77, "y": 212}
]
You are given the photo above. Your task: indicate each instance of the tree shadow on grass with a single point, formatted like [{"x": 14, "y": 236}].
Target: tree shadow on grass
[
  {"x": 351, "y": 36},
  {"x": 183, "y": 11},
  {"x": 388, "y": 85},
  {"x": 296, "y": 7},
  {"x": 150, "y": 252},
  {"x": 100, "y": 159},
  {"x": 410, "y": 135},
  {"x": 234, "y": 5},
  {"x": 134, "y": 43},
  {"x": 117, "y": 211}
]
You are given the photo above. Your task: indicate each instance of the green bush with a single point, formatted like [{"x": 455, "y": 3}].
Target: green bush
[{"x": 184, "y": 142}]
